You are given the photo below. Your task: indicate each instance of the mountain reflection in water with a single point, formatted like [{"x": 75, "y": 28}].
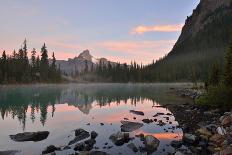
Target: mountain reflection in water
[
  {"x": 17, "y": 101},
  {"x": 60, "y": 109}
]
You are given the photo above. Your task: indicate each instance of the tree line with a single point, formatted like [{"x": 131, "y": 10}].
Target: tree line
[
  {"x": 18, "y": 68},
  {"x": 219, "y": 84}
]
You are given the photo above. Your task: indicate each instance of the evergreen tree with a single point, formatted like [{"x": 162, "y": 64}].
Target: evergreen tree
[
  {"x": 44, "y": 64},
  {"x": 33, "y": 64},
  {"x": 4, "y": 66}
]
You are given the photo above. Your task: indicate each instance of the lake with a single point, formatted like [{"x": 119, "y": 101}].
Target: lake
[{"x": 60, "y": 109}]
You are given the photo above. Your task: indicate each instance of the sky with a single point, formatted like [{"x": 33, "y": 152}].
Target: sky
[{"x": 119, "y": 30}]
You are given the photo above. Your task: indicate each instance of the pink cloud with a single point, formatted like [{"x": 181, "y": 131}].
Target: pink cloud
[
  {"x": 140, "y": 51},
  {"x": 157, "y": 28}
]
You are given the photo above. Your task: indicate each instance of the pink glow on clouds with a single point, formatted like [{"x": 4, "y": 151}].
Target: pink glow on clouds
[
  {"x": 118, "y": 51},
  {"x": 157, "y": 28}
]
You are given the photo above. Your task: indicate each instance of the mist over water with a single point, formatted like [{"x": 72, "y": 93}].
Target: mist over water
[{"x": 60, "y": 109}]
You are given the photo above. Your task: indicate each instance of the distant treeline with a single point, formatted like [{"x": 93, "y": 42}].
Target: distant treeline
[{"x": 18, "y": 68}]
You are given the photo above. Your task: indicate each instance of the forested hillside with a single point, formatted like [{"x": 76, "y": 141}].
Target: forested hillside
[{"x": 202, "y": 43}]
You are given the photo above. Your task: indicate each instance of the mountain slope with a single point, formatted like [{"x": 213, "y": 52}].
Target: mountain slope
[{"x": 203, "y": 41}]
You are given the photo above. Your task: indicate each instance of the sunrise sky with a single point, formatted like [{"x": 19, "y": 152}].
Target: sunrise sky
[{"x": 120, "y": 30}]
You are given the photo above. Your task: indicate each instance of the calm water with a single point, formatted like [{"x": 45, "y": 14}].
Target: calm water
[{"x": 63, "y": 108}]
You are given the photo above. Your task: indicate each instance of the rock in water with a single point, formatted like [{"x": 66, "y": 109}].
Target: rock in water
[
  {"x": 80, "y": 135},
  {"x": 9, "y": 152},
  {"x": 128, "y": 126},
  {"x": 137, "y": 112},
  {"x": 147, "y": 121},
  {"x": 50, "y": 149},
  {"x": 176, "y": 144},
  {"x": 93, "y": 134},
  {"x": 120, "y": 138},
  {"x": 151, "y": 143},
  {"x": 30, "y": 136},
  {"x": 189, "y": 138}
]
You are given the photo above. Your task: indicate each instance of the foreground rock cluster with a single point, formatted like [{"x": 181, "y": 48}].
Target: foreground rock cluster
[{"x": 205, "y": 130}]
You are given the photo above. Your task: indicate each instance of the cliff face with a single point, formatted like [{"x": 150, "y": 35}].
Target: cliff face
[
  {"x": 201, "y": 17},
  {"x": 203, "y": 41}
]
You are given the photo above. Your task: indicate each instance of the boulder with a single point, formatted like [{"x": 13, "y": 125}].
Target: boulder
[
  {"x": 176, "y": 144},
  {"x": 147, "y": 121},
  {"x": 226, "y": 121},
  {"x": 93, "y": 134},
  {"x": 50, "y": 149},
  {"x": 90, "y": 142},
  {"x": 221, "y": 131},
  {"x": 137, "y": 112},
  {"x": 30, "y": 136},
  {"x": 217, "y": 139},
  {"x": 120, "y": 138},
  {"x": 79, "y": 147},
  {"x": 189, "y": 138},
  {"x": 80, "y": 135},
  {"x": 151, "y": 143},
  {"x": 128, "y": 126},
  {"x": 226, "y": 151},
  {"x": 204, "y": 131}
]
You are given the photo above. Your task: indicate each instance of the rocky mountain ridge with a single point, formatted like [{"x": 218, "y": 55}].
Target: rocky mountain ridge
[{"x": 78, "y": 64}]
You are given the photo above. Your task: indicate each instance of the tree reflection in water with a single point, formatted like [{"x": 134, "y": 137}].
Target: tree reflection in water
[{"x": 17, "y": 101}]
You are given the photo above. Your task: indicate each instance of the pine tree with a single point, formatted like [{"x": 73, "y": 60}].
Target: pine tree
[
  {"x": 33, "y": 64},
  {"x": 4, "y": 66},
  {"x": 44, "y": 64}
]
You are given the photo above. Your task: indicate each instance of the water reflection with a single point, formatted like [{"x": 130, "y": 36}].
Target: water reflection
[{"x": 16, "y": 102}]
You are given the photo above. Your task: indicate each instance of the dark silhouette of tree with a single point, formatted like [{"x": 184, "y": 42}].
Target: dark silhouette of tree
[{"x": 44, "y": 64}]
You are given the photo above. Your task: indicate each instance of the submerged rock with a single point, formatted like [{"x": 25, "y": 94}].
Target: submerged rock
[
  {"x": 137, "y": 112},
  {"x": 148, "y": 121},
  {"x": 80, "y": 135},
  {"x": 128, "y": 126},
  {"x": 176, "y": 144},
  {"x": 151, "y": 143},
  {"x": 30, "y": 136},
  {"x": 120, "y": 138},
  {"x": 50, "y": 149},
  {"x": 9, "y": 152}
]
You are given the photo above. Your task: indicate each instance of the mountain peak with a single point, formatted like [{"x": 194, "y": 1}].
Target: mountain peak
[{"x": 85, "y": 55}]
